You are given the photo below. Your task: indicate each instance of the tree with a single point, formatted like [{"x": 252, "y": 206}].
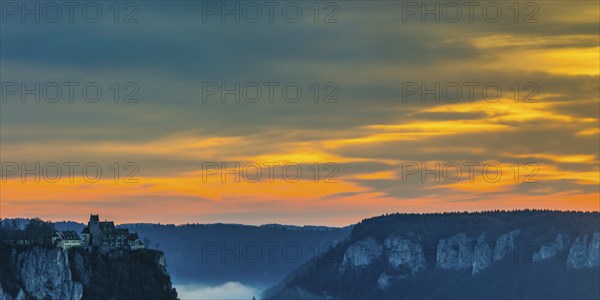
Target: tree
[
  {"x": 14, "y": 224},
  {"x": 39, "y": 232}
]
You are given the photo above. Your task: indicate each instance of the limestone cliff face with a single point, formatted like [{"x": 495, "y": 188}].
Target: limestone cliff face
[
  {"x": 584, "y": 253},
  {"x": 397, "y": 251},
  {"x": 459, "y": 252},
  {"x": 551, "y": 250},
  {"x": 362, "y": 253},
  {"x": 483, "y": 256},
  {"x": 594, "y": 251},
  {"x": 383, "y": 281},
  {"x": 45, "y": 273},
  {"x": 505, "y": 243},
  {"x": 7, "y": 296},
  {"x": 37, "y": 272},
  {"x": 403, "y": 252},
  {"x": 455, "y": 252}
]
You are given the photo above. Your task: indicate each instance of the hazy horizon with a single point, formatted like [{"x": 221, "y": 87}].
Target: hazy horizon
[{"x": 84, "y": 220}]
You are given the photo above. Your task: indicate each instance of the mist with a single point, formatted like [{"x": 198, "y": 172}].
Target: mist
[{"x": 230, "y": 290}]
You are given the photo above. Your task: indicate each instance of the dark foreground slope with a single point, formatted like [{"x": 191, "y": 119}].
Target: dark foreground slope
[
  {"x": 491, "y": 255},
  {"x": 38, "y": 272}
]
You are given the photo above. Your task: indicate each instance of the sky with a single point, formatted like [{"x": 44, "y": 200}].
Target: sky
[{"x": 351, "y": 110}]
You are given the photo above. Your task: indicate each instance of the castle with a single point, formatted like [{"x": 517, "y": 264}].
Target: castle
[
  {"x": 99, "y": 234},
  {"x": 104, "y": 234}
]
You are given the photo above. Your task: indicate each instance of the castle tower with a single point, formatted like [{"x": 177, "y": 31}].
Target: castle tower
[{"x": 96, "y": 233}]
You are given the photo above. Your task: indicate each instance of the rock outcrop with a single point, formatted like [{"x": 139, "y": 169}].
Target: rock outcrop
[
  {"x": 551, "y": 250},
  {"x": 594, "y": 251},
  {"x": 455, "y": 253},
  {"x": 402, "y": 252},
  {"x": 459, "y": 252},
  {"x": 483, "y": 256},
  {"x": 6, "y": 296},
  {"x": 383, "y": 281},
  {"x": 584, "y": 253},
  {"x": 46, "y": 273},
  {"x": 38, "y": 272},
  {"x": 362, "y": 253},
  {"x": 505, "y": 243}
]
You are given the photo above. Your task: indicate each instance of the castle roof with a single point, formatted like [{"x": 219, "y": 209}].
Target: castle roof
[
  {"x": 133, "y": 237},
  {"x": 86, "y": 229},
  {"x": 122, "y": 231},
  {"x": 107, "y": 227},
  {"x": 68, "y": 235}
]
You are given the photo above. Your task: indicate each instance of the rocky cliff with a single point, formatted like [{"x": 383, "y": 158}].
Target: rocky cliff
[
  {"x": 362, "y": 253},
  {"x": 551, "y": 250},
  {"x": 405, "y": 252},
  {"x": 584, "y": 254},
  {"x": 399, "y": 252},
  {"x": 459, "y": 255},
  {"x": 36, "y": 272},
  {"x": 462, "y": 252},
  {"x": 44, "y": 273}
]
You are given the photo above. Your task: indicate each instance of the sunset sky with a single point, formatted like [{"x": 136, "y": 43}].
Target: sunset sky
[{"x": 369, "y": 134}]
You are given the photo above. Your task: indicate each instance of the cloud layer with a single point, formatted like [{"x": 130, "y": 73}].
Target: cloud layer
[{"x": 367, "y": 66}]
